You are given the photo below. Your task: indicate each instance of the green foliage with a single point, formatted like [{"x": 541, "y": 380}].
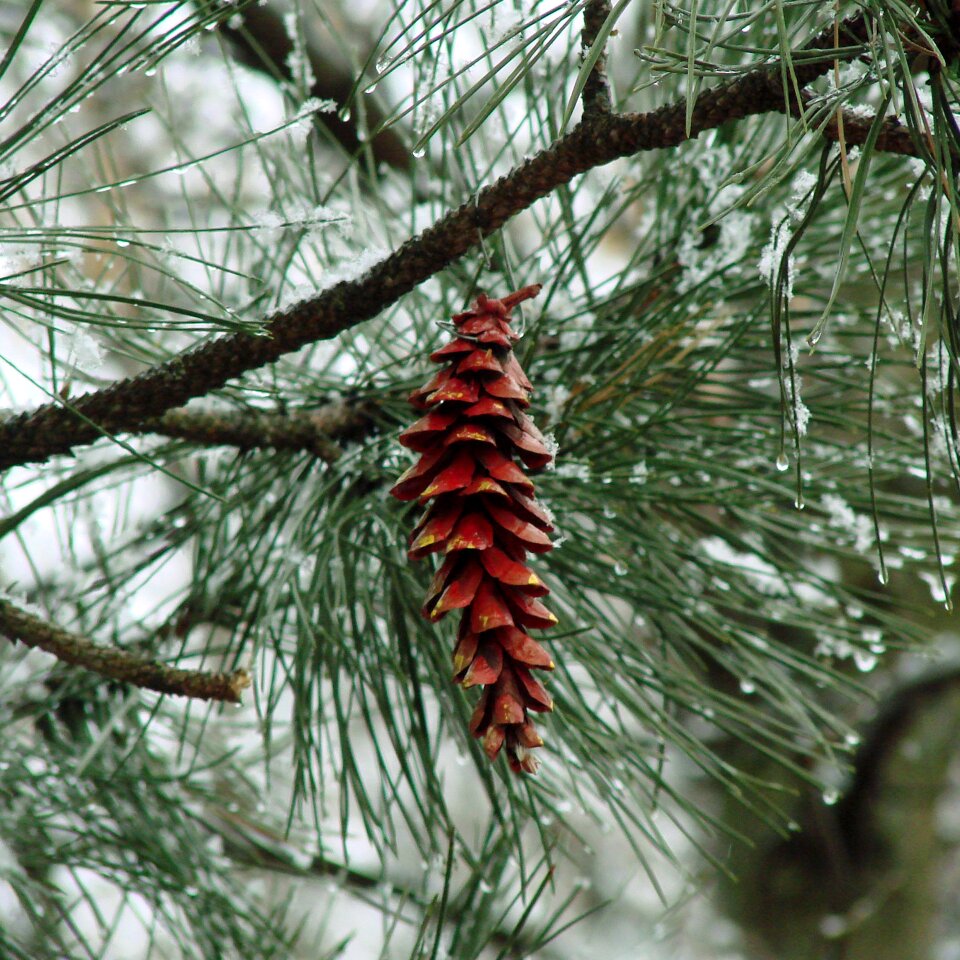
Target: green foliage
[{"x": 747, "y": 350}]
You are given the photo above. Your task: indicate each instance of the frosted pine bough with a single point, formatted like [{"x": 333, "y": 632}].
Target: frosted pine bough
[{"x": 481, "y": 515}]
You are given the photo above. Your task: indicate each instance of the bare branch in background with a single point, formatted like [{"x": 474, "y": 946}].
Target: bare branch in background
[
  {"x": 262, "y": 42},
  {"x": 897, "y": 714},
  {"x": 117, "y": 664}
]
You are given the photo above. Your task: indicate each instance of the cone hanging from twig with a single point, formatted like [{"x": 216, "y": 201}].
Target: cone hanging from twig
[{"x": 481, "y": 517}]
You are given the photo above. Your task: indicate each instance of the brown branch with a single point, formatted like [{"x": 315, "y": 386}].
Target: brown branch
[
  {"x": 117, "y": 664},
  {"x": 894, "y": 137},
  {"x": 262, "y": 43},
  {"x": 596, "y": 91},
  {"x": 316, "y": 432},
  {"x": 55, "y": 428},
  {"x": 898, "y": 711}
]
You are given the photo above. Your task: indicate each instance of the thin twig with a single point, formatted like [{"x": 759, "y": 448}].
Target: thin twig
[
  {"x": 117, "y": 664},
  {"x": 33, "y": 437},
  {"x": 316, "y": 432},
  {"x": 596, "y": 91}
]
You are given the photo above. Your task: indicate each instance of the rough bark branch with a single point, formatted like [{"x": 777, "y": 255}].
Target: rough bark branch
[
  {"x": 117, "y": 664},
  {"x": 316, "y": 432},
  {"x": 596, "y": 91},
  {"x": 126, "y": 406}
]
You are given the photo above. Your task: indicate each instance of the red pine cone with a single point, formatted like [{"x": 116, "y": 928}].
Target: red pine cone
[{"x": 482, "y": 516}]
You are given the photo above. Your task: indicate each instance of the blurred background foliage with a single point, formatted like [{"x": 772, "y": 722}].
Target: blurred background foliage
[{"x": 746, "y": 349}]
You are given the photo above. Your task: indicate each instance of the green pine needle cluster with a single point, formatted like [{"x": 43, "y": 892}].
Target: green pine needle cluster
[{"x": 746, "y": 348}]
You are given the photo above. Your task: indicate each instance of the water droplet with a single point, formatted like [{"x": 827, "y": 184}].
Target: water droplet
[
  {"x": 852, "y": 740},
  {"x": 747, "y": 686},
  {"x": 150, "y": 72},
  {"x": 883, "y": 576},
  {"x": 371, "y": 88},
  {"x": 814, "y": 337},
  {"x": 782, "y": 462},
  {"x": 865, "y": 660},
  {"x": 620, "y": 569},
  {"x": 833, "y": 926},
  {"x": 419, "y": 152},
  {"x": 799, "y": 501},
  {"x": 345, "y": 114},
  {"x": 382, "y": 64},
  {"x": 830, "y": 796},
  {"x": 873, "y": 638},
  {"x": 123, "y": 243}
]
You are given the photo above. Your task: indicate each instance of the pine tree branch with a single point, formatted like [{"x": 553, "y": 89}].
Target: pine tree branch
[
  {"x": 251, "y": 845},
  {"x": 117, "y": 664},
  {"x": 596, "y": 90},
  {"x": 263, "y": 43},
  {"x": 315, "y": 433},
  {"x": 899, "y": 709},
  {"x": 55, "y": 428}
]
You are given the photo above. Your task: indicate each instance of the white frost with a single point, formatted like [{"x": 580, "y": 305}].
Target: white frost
[
  {"x": 856, "y": 527},
  {"x": 772, "y": 255},
  {"x": 762, "y": 574}
]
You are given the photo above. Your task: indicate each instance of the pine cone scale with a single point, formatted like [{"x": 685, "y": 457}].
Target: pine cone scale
[{"x": 482, "y": 516}]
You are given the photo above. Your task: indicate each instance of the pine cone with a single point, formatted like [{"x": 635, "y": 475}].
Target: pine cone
[{"x": 482, "y": 516}]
